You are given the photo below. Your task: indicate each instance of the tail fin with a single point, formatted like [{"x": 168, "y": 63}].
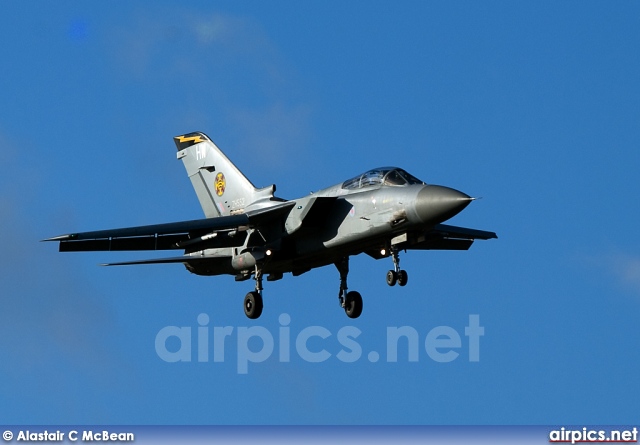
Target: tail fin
[{"x": 222, "y": 189}]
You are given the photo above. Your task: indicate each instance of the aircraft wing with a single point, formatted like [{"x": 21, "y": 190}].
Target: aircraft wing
[
  {"x": 440, "y": 237},
  {"x": 462, "y": 232},
  {"x": 169, "y": 235},
  {"x": 446, "y": 237}
]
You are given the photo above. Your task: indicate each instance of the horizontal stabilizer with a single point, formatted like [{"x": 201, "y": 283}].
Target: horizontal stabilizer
[{"x": 180, "y": 259}]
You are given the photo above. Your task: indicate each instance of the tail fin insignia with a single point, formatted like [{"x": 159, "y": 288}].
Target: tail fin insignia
[
  {"x": 220, "y": 184},
  {"x": 188, "y": 140}
]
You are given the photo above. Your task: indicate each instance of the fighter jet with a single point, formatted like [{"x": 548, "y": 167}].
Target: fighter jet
[{"x": 249, "y": 232}]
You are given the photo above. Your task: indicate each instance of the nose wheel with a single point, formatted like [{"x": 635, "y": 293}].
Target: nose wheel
[
  {"x": 401, "y": 277},
  {"x": 397, "y": 275}
]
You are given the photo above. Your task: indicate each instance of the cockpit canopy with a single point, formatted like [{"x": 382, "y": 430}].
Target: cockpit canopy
[{"x": 381, "y": 176}]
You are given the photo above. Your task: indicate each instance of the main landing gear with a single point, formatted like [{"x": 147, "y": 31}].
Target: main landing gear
[
  {"x": 253, "y": 300},
  {"x": 396, "y": 275},
  {"x": 351, "y": 302}
]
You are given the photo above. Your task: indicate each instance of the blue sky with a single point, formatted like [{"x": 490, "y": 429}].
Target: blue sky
[{"x": 533, "y": 106}]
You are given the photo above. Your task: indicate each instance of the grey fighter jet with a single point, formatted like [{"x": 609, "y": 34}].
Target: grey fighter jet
[{"x": 249, "y": 232}]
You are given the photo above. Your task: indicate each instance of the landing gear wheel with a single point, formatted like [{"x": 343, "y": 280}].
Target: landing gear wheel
[
  {"x": 403, "y": 277},
  {"x": 392, "y": 278},
  {"x": 253, "y": 305},
  {"x": 353, "y": 304}
]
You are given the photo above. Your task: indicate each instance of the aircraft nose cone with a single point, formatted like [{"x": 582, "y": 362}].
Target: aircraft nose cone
[{"x": 436, "y": 204}]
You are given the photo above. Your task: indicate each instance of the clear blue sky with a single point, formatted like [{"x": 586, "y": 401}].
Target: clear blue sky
[{"x": 533, "y": 106}]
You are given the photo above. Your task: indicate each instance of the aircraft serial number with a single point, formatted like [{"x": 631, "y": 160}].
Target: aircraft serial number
[{"x": 237, "y": 203}]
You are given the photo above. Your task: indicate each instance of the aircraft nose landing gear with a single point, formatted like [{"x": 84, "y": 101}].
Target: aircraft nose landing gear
[
  {"x": 351, "y": 302},
  {"x": 397, "y": 275}
]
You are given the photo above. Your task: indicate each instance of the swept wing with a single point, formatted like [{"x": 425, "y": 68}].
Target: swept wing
[
  {"x": 168, "y": 236},
  {"x": 446, "y": 237}
]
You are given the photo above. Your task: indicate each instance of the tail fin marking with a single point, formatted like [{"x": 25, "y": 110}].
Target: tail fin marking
[{"x": 221, "y": 188}]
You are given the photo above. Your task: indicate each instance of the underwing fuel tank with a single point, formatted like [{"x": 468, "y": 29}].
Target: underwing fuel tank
[{"x": 246, "y": 260}]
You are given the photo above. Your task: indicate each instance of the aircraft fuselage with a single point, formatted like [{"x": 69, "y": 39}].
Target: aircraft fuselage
[{"x": 361, "y": 220}]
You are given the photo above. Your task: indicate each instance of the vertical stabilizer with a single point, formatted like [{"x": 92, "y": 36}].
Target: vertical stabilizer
[{"x": 222, "y": 189}]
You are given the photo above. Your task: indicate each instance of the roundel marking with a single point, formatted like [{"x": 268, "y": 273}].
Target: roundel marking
[{"x": 220, "y": 184}]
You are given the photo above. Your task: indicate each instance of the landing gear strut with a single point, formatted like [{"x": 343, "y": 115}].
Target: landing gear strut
[
  {"x": 396, "y": 275},
  {"x": 351, "y": 302},
  {"x": 253, "y": 300}
]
